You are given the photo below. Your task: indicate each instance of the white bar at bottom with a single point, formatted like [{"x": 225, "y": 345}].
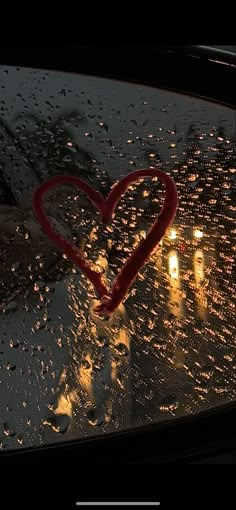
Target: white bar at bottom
[{"x": 118, "y": 503}]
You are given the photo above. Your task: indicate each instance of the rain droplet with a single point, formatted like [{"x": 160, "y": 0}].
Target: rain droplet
[
  {"x": 9, "y": 430},
  {"x": 179, "y": 359},
  {"x": 10, "y": 366},
  {"x": 59, "y": 342},
  {"x": 85, "y": 364},
  {"x": 122, "y": 349},
  {"x": 102, "y": 341},
  {"x": 96, "y": 416},
  {"x": 39, "y": 285},
  {"x": 103, "y": 125},
  {"x": 14, "y": 344},
  {"x": 71, "y": 147},
  {"x": 67, "y": 159},
  {"x": 58, "y": 423},
  {"x": 97, "y": 366},
  {"x": 10, "y": 307},
  {"x": 16, "y": 266}
]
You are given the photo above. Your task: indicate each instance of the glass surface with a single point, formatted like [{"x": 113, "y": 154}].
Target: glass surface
[{"x": 169, "y": 350}]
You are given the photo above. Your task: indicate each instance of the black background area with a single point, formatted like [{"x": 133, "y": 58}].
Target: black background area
[{"x": 60, "y": 485}]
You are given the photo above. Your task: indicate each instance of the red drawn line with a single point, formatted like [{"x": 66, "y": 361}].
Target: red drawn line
[{"x": 110, "y": 299}]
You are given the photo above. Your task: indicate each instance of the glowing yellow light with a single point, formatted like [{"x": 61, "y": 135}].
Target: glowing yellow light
[
  {"x": 172, "y": 234},
  {"x": 201, "y": 295},
  {"x": 140, "y": 235},
  {"x": 101, "y": 264},
  {"x": 64, "y": 405},
  {"x": 173, "y": 264},
  {"x": 198, "y": 233},
  {"x": 198, "y": 262}
]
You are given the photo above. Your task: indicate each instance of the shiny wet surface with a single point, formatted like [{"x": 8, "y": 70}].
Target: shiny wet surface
[{"x": 169, "y": 350}]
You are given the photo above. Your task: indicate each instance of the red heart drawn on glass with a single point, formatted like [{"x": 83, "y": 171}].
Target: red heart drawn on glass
[{"x": 110, "y": 299}]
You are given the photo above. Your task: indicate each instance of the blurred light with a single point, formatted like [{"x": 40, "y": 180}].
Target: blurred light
[
  {"x": 173, "y": 234},
  {"x": 173, "y": 265},
  {"x": 198, "y": 262},
  {"x": 198, "y": 234},
  {"x": 142, "y": 234},
  {"x": 64, "y": 405},
  {"x": 200, "y": 289}
]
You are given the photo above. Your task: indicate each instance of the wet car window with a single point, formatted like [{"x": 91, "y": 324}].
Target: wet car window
[{"x": 169, "y": 349}]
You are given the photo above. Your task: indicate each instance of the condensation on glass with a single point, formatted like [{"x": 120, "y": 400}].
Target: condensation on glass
[{"x": 169, "y": 350}]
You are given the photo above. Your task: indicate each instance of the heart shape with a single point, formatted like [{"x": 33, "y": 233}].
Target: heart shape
[{"x": 110, "y": 300}]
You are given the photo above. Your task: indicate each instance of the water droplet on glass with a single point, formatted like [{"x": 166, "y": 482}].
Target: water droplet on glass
[
  {"x": 67, "y": 159},
  {"x": 58, "y": 422},
  {"x": 122, "y": 349},
  {"x": 9, "y": 430},
  {"x": 102, "y": 341},
  {"x": 20, "y": 439},
  {"x": 16, "y": 266},
  {"x": 85, "y": 364},
  {"x": 39, "y": 285},
  {"x": 10, "y": 366},
  {"x": 12, "y": 306},
  {"x": 59, "y": 342},
  {"x": 14, "y": 343},
  {"x": 103, "y": 125},
  {"x": 96, "y": 416}
]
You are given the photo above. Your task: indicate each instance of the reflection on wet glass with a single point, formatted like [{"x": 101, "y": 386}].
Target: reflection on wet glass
[{"x": 169, "y": 349}]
